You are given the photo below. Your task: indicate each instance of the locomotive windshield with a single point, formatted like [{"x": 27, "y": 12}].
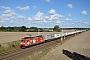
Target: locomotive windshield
[{"x": 22, "y": 40}]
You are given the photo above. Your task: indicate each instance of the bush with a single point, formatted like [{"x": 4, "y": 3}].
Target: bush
[{"x": 9, "y": 46}]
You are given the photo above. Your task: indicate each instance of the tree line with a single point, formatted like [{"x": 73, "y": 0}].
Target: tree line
[{"x": 31, "y": 29}]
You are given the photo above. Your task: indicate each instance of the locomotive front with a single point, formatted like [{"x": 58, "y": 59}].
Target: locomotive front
[{"x": 22, "y": 43}]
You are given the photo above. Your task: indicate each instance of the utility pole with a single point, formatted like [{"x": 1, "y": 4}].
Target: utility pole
[{"x": 62, "y": 36}]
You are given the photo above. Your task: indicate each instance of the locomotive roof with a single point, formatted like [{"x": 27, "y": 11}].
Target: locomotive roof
[
  {"x": 28, "y": 37},
  {"x": 32, "y": 36}
]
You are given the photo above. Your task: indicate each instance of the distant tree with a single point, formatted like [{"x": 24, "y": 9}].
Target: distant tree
[
  {"x": 16, "y": 29},
  {"x": 40, "y": 29},
  {"x": 2, "y": 29},
  {"x": 22, "y": 29},
  {"x": 10, "y": 29},
  {"x": 56, "y": 28},
  {"x": 33, "y": 29}
]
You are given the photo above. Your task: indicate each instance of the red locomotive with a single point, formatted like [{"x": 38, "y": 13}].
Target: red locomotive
[{"x": 28, "y": 41}]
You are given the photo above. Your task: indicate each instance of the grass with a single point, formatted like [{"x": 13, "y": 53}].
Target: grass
[
  {"x": 9, "y": 46},
  {"x": 40, "y": 55},
  {"x": 37, "y": 56}
]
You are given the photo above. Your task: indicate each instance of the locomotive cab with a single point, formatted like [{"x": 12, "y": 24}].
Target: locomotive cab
[{"x": 24, "y": 42}]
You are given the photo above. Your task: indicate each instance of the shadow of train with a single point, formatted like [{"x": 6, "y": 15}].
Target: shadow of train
[{"x": 74, "y": 55}]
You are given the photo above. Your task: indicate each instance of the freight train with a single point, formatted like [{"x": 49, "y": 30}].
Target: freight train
[{"x": 29, "y": 41}]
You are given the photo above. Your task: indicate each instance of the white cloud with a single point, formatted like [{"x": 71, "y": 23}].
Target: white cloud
[
  {"x": 21, "y": 17},
  {"x": 7, "y": 8},
  {"x": 70, "y": 5},
  {"x": 29, "y": 19},
  {"x": 34, "y": 7},
  {"x": 13, "y": 18},
  {"x": 46, "y": 17},
  {"x": 83, "y": 22},
  {"x": 3, "y": 19},
  {"x": 58, "y": 22},
  {"x": 10, "y": 16},
  {"x": 48, "y": 1},
  {"x": 44, "y": 21},
  {"x": 38, "y": 16},
  {"x": 9, "y": 13},
  {"x": 72, "y": 23},
  {"x": 86, "y": 23},
  {"x": 68, "y": 19},
  {"x": 61, "y": 16},
  {"x": 69, "y": 15},
  {"x": 6, "y": 15},
  {"x": 23, "y": 8},
  {"x": 52, "y": 11},
  {"x": 84, "y": 12},
  {"x": 6, "y": 18},
  {"x": 55, "y": 17}
]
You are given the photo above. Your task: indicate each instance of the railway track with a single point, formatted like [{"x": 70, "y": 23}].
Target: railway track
[{"x": 19, "y": 52}]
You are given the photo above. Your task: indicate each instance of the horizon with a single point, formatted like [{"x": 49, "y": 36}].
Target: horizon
[{"x": 51, "y": 27}]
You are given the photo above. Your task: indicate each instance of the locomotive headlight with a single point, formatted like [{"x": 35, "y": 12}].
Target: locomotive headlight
[{"x": 21, "y": 43}]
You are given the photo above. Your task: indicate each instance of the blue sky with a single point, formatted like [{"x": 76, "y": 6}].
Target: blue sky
[{"x": 45, "y": 13}]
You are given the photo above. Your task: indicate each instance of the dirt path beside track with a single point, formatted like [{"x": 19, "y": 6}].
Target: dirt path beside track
[{"x": 79, "y": 44}]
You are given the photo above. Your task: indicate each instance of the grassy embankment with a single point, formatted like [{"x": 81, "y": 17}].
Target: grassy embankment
[
  {"x": 41, "y": 54},
  {"x": 8, "y": 46}
]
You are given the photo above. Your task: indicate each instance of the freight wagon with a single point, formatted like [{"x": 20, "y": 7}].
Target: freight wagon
[{"x": 51, "y": 36}]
